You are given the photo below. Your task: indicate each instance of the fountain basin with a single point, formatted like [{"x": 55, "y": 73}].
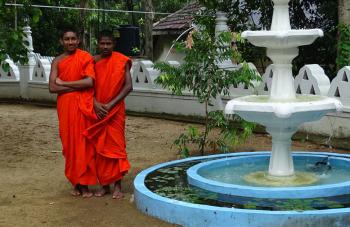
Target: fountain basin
[
  {"x": 260, "y": 104},
  {"x": 282, "y": 119},
  {"x": 228, "y": 177},
  {"x": 282, "y": 39},
  {"x": 187, "y": 213}
]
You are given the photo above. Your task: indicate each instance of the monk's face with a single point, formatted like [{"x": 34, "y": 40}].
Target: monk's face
[
  {"x": 70, "y": 41},
  {"x": 106, "y": 46}
]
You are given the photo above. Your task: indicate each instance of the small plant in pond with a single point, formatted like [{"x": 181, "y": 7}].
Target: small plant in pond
[
  {"x": 200, "y": 74},
  {"x": 295, "y": 204},
  {"x": 250, "y": 205}
]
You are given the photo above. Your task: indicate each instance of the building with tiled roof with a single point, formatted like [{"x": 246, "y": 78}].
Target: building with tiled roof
[
  {"x": 177, "y": 22},
  {"x": 167, "y": 30}
]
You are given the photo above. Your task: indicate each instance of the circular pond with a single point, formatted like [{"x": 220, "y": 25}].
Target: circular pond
[{"x": 163, "y": 191}]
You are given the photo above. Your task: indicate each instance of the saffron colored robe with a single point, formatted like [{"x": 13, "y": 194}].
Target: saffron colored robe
[
  {"x": 75, "y": 114},
  {"x": 108, "y": 135}
]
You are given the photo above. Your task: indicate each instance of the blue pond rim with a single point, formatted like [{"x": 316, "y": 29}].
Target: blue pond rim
[
  {"x": 327, "y": 190},
  {"x": 193, "y": 215}
]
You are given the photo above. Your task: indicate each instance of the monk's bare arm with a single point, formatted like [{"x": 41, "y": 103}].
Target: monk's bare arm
[
  {"x": 53, "y": 87},
  {"x": 86, "y": 82},
  {"x": 126, "y": 89}
]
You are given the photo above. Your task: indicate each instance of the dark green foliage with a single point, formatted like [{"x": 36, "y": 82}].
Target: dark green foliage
[
  {"x": 303, "y": 15},
  {"x": 343, "y": 58},
  {"x": 321, "y": 14},
  {"x": 46, "y": 32},
  {"x": 12, "y": 44},
  {"x": 167, "y": 6}
]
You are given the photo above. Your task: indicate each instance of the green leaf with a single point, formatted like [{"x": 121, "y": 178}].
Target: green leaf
[{"x": 5, "y": 66}]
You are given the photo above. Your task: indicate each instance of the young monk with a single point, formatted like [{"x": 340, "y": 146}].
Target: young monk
[
  {"x": 113, "y": 84},
  {"x": 71, "y": 77}
]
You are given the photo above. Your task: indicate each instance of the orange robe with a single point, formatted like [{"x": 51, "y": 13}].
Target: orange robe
[
  {"x": 108, "y": 135},
  {"x": 75, "y": 114}
]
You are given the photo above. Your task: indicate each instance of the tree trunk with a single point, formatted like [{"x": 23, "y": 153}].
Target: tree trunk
[
  {"x": 130, "y": 7},
  {"x": 148, "y": 29},
  {"x": 82, "y": 25},
  {"x": 344, "y": 11}
]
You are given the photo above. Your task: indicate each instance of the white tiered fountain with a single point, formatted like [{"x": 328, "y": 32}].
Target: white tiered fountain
[
  {"x": 235, "y": 189},
  {"x": 282, "y": 112}
]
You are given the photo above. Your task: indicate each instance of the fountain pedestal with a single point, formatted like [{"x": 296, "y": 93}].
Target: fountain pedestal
[{"x": 281, "y": 161}]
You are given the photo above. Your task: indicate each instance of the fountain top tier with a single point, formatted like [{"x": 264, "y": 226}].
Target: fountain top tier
[
  {"x": 282, "y": 47},
  {"x": 281, "y": 35},
  {"x": 280, "y": 18}
]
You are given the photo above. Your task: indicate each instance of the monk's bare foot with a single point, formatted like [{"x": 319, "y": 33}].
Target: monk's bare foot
[
  {"x": 103, "y": 191},
  {"x": 76, "y": 191},
  {"x": 86, "y": 193},
  {"x": 117, "y": 194}
]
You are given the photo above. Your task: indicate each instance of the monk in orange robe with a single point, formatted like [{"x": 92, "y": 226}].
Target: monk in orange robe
[
  {"x": 71, "y": 77},
  {"x": 113, "y": 83}
]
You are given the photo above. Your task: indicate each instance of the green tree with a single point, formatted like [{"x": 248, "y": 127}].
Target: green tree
[
  {"x": 257, "y": 15},
  {"x": 52, "y": 20},
  {"x": 321, "y": 14},
  {"x": 343, "y": 58},
  {"x": 11, "y": 33},
  {"x": 343, "y": 50},
  {"x": 167, "y": 6},
  {"x": 200, "y": 73}
]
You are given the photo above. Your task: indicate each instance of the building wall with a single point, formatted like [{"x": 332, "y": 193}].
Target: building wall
[{"x": 161, "y": 47}]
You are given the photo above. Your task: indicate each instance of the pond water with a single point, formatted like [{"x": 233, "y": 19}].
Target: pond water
[{"x": 171, "y": 182}]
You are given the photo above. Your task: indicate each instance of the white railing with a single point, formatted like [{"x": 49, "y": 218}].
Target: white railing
[
  {"x": 311, "y": 79},
  {"x": 31, "y": 82},
  {"x": 11, "y": 75}
]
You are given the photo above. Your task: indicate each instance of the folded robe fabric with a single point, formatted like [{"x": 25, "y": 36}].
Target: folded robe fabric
[
  {"x": 75, "y": 113},
  {"x": 108, "y": 134}
]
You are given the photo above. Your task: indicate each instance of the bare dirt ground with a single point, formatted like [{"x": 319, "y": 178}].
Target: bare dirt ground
[{"x": 35, "y": 192}]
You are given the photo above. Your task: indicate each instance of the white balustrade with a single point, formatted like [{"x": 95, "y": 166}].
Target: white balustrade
[
  {"x": 312, "y": 80},
  {"x": 144, "y": 74},
  {"x": 12, "y": 74},
  {"x": 9, "y": 81},
  {"x": 41, "y": 70},
  {"x": 340, "y": 87},
  {"x": 266, "y": 81},
  {"x": 241, "y": 89}
]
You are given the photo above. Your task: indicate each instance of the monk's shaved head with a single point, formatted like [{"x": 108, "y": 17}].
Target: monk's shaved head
[
  {"x": 68, "y": 29},
  {"x": 106, "y": 34}
]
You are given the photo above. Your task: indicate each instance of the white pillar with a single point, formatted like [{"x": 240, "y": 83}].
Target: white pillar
[
  {"x": 221, "y": 26},
  {"x": 26, "y": 71},
  {"x": 28, "y": 32}
]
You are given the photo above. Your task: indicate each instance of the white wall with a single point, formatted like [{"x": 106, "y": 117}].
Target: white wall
[{"x": 162, "y": 46}]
